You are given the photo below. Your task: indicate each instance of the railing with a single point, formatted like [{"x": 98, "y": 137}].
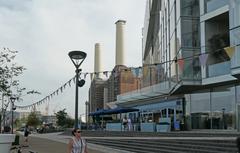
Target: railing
[
  {"x": 219, "y": 69},
  {"x": 211, "y": 5}
]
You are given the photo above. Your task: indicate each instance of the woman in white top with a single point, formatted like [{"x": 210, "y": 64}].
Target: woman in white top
[{"x": 77, "y": 144}]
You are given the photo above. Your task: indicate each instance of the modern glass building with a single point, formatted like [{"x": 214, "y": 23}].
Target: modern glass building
[{"x": 191, "y": 66}]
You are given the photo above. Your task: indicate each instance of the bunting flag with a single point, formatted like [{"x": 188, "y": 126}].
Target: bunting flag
[
  {"x": 203, "y": 59},
  {"x": 230, "y": 51},
  {"x": 145, "y": 71},
  {"x": 128, "y": 74},
  {"x": 115, "y": 73},
  {"x": 91, "y": 76},
  {"x": 85, "y": 75},
  {"x": 105, "y": 73},
  {"x": 181, "y": 64},
  {"x": 97, "y": 74}
]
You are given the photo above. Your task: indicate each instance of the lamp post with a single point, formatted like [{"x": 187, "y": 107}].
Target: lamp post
[
  {"x": 13, "y": 108},
  {"x": 77, "y": 57}
]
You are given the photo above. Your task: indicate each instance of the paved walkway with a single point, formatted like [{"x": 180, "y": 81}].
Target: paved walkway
[
  {"x": 44, "y": 145},
  {"x": 56, "y": 143}
]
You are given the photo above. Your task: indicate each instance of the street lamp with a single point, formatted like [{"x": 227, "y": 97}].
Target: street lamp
[
  {"x": 12, "y": 99},
  {"x": 77, "y": 57}
]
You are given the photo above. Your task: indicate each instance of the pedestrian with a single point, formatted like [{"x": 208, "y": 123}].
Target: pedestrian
[
  {"x": 129, "y": 123},
  {"x": 26, "y": 133},
  {"x": 77, "y": 144},
  {"x": 124, "y": 123}
]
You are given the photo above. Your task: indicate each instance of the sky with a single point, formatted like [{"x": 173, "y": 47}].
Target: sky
[{"x": 44, "y": 31}]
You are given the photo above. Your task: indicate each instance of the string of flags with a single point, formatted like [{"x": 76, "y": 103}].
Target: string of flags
[{"x": 137, "y": 72}]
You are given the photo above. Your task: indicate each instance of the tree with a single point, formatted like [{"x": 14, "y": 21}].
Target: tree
[
  {"x": 69, "y": 122},
  {"x": 9, "y": 71},
  {"x": 61, "y": 117},
  {"x": 33, "y": 120}
]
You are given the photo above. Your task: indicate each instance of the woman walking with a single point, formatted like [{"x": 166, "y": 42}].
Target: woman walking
[{"x": 76, "y": 143}]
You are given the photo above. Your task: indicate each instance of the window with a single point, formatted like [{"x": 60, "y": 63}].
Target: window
[
  {"x": 190, "y": 8},
  {"x": 200, "y": 110},
  {"x": 190, "y": 33},
  {"x": 172, "y": 21},
  {"x": 223, "y": 104}
]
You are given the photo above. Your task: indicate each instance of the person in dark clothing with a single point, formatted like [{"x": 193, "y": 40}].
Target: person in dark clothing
[{"x": 26, "y": 133}]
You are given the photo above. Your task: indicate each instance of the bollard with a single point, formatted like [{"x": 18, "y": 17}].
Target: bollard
[{"x": 238, "y": 143}]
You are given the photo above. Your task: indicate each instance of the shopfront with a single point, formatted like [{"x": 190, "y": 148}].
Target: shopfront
[
  {"x": 165, "y": 111},
  {"x": 214, "y": 108}
]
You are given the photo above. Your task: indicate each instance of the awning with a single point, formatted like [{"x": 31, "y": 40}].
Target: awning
[
  {"x": 98, "y": 112},
  {"x": 117, "y": 110}
]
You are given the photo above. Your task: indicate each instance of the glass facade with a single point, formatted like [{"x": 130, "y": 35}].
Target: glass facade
[
  {"x": 190, "y": 8},
  {"x": 190, "y": 33},
  {"x": 223, "y": 104},
  {"x": 200, "y": 110},
  {"x": 179, "y": 37},
  {"x": 213, "y": 108},
  {"x": 238, "y": 94}
]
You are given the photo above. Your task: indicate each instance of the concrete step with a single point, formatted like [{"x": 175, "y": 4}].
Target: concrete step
[
  {"x": 157, "y": 134},
  {"x": 135, "y": 149},
  {"x": 156, "y": 145},
  {"x": 222, "y": 143}
]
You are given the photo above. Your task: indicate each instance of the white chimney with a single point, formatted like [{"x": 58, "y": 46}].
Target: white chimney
[
  {"x": 120, "y": 42},
  {"x": 97, "y": 60}
]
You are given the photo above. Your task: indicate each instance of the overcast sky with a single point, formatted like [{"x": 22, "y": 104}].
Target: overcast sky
[{"x": 44, "y": 31}]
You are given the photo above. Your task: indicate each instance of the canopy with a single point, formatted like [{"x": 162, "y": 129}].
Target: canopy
[
  {"x": 117, "y": 110},
  {"x": 98, "y": 112}
]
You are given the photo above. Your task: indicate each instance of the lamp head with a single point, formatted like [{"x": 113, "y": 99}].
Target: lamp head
[
  {"x": 77, "y": 57},
  {"x": 12, "y": 99}
]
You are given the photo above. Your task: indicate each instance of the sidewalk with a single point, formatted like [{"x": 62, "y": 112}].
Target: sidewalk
[
  {"x": 56, "y": 143},
  {"x": 41, "y": 144}
]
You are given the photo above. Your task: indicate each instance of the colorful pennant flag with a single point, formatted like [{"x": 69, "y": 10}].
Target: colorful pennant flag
[
  {"x": 230, "y": 51},
  {"x": 203, "y": 59},
  {"x": 181, "y": 64}
]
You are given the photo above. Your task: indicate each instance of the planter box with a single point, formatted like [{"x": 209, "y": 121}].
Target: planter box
[{"x": 6, "y": 142}]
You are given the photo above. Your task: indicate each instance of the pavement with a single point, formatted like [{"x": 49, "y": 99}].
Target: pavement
[{"x": 57, "y": 143}]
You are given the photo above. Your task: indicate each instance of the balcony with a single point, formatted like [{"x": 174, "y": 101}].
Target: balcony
[
  {"x": 219, "y": 69},
  {"x": 211, "y": 5}
]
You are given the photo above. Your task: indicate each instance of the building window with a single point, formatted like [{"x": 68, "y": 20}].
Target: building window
[
  {"x": 178, "y": 40},
  {"x": 200, "y": 110},
  {"x": 223, "y": 104},
  {"x": 190, "y": 33},
  {"x": 172, "y": 21},
  {"x": 190, "y": 8},
  {"x": 238, "y": 94},
  {"x": 216, "y": 39}
]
